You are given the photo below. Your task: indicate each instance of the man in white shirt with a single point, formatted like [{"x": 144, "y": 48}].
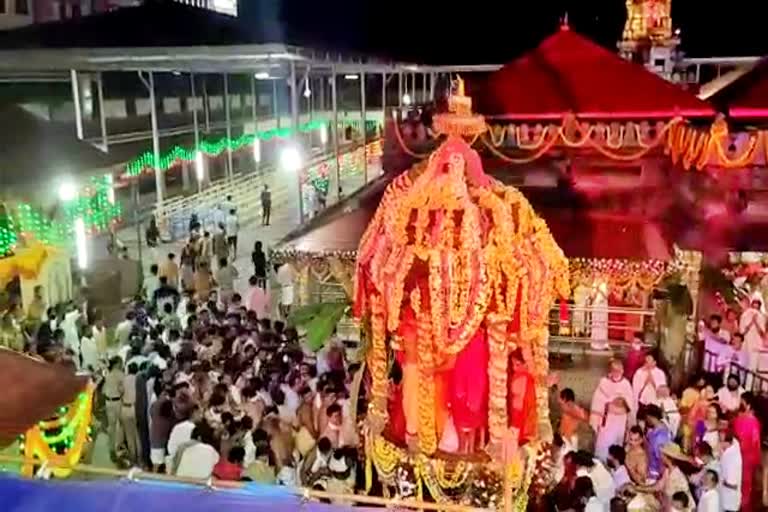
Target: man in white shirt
[
  {"x": 291, "y": 391},
  {"x": 647, "y": 380},
  {"x": 197, "y": 459},
  {"x": 151, "y": 283},
  {"x": 710, "y": 498},
  {"x": 180, "y": 434},
  {"x": 729, "y": 396},
  {"x": 716, "y": 342},
  {"x": 124, "y": 328},
  {"x": 752, "y": 325},
  {"x": 730, "y": 474},
  {"x": 602, "y": 481}
]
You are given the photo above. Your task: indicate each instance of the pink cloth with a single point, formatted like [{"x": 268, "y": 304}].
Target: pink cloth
[
  {"x": 259, "y": 301},
  {"x": 469, "y": 389},
  {"x": 746, "y": 428}
]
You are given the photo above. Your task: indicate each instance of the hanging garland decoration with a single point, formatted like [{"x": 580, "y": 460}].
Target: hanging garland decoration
[
  {"x": 406, "y": 149},
  {"x": 606, "y": 139},
  {"x": 60, "y": 441},
  {"x": 622, "y": 275},
  {"x": 696, "y": 148},
  {"x": 536, "y": 141}
]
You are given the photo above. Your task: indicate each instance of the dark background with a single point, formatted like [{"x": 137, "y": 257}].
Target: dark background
[{"x": 492, "y": 31}]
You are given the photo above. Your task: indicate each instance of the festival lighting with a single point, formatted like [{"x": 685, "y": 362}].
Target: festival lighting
[
  {"x": 261, "y": 75},
  {"x": 324, "y": 134},
  {"x": 199, "y": 166},
  {"x": 257, "y": 151},
  {"x": 67, "y": 191},
  {"x": 212, "y": 148},
  {"x": 406, "y": 99},
  {"x": 81, "y": 243},
  {"x": 307, "y": 90},
  {"x": 290, "y": 159},
  {"x": 109, "y": 182},
  {"x": 351, "y": 77}
]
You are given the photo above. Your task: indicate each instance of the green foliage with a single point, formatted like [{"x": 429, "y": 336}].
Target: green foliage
[
  {"x": 319, "y": 321},
  {"x": 714, "y": 280}
]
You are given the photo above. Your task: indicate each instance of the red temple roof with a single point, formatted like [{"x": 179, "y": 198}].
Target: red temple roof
[
  {"x": 569, "y": 74},
  {"x": 746, "y": 97}
]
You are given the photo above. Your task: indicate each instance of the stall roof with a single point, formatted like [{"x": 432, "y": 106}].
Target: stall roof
[
  {"x": 33, "y": 150},
  {"x": 569, "y": 74},
  {"x": 170, "y": 36},
  {"x": 746, "y": 97}
]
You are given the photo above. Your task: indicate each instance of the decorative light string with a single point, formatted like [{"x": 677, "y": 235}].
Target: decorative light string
[
  {"x": 604, "y": 138},
  {"x": 93, "y": 205},
  {"x": 145, "y": 162},
  {"x": 696, "y": 148},
  {"x": 73, "y": 425}
]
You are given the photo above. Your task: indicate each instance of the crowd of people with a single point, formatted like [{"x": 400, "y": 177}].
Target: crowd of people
[
  {"x": 641, "y": 447},
  {"x": 201, "y": 383}
]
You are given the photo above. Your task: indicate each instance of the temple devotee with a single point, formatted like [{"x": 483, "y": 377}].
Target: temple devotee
[
  {"x": 752, "y": 325},
  {"x": 613, "y": 409},
  {"x": 646, "y": 382},
  {"x": 729, "y": 396}
]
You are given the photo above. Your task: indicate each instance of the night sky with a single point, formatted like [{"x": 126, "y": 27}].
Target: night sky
[{"x": 491, "y": 31}]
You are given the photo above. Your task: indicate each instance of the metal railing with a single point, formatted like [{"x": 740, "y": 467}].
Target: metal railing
[
  {"x": 174, "y": 214},
  {"x": 602, "y": 329},
  {"x": 751, "y": 380},
  {"x": 213, "y": 484}
]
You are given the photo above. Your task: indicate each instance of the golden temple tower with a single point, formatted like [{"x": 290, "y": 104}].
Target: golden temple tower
[{"x": 648, "y": 36}]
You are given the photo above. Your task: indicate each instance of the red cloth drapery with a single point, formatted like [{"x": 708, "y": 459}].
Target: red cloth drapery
[
  {"x": 569, "y": 74},
  {"x": 32, "y": 391}
]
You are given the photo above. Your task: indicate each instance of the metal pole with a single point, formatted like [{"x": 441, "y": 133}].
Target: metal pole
[
  {"x": 102, "y": 114},
  {"x": 196, "y": 127},
  {"x": 227, "y": 116},
  {"x": 206, "y": 106},
  {"x": 159, "y": 176},
  {"x": 76, "y": 100},
  {"x": 400, "y": 89},
  {"x": 254, "y": 107},
  {"x": 383, "y": 98},
  {"x": 335, "y": 131},
  {"x": 137, "y": 218},
  {"x": 311, "y": 99},
  {"x": 432, "y": 80},
  {"x": 362, "y": 122},
  {"x": 255, "y": 116},
  {"x": 322, "y": 94},
  {"x": 413, "y": 88},
  {"x": 275, "y": 106},
  {"x": 295, "y": 127}
]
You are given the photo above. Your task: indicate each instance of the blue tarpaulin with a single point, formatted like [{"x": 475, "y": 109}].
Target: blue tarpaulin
[{"x": 20, "y": 495}]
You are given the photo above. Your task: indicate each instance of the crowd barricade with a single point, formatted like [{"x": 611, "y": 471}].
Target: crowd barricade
[{"x": 245, "y": 188}]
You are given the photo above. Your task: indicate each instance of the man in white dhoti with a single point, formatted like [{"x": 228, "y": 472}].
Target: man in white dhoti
[
  {"x": 600, "y": 317},
  {"x": 646, "y": 381},
  {"x": 613, "y": 409},
  {"x": 752, "y": 326},
  {"x": 580, "y": 300}
]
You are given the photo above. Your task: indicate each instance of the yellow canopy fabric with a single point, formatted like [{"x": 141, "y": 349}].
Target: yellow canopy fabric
[{"x": 26, "y": 262}]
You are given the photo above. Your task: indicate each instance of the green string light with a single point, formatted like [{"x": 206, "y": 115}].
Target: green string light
[
  {"x": 211, "y": 148},
  {"x": 93, "y": 206}
]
